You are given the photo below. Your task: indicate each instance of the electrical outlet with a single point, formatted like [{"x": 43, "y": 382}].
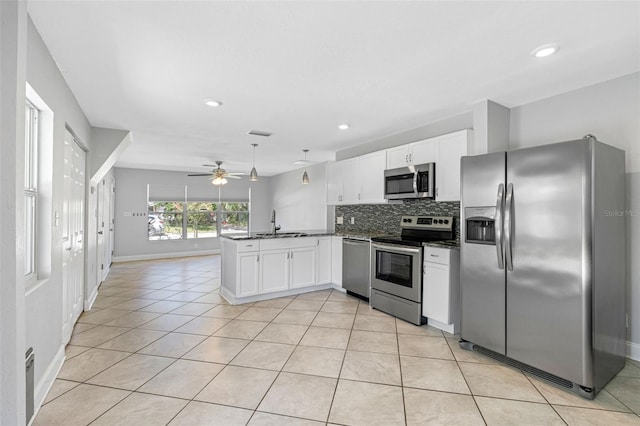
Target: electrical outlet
[
  {"x": 353, "y": 220},
  {"x": 340, "y": 220}
]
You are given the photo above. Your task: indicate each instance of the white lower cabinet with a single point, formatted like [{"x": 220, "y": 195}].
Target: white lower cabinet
[
  {"x": 278, "y": 265},
  {"x": 302, "y": 267},
  {"x": 248, "y": 273},
  {"x": 323, "y": 260},
  {"x": 336, "y": 260},
  {"x": 441, "y": 288},
  {"x": 274, "y": 270}
]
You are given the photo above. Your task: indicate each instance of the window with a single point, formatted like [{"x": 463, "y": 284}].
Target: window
[
  {"x": 165, "y": 220},
  {"x": 30, "y": 190},
  {"x": 234, "y": 218},
  {"x": 202, "y": 220},
  {"x": 172, "y": 220}
]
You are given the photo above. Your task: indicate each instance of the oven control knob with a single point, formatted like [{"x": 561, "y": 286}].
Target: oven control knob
[{"x": 446, "y": 221}]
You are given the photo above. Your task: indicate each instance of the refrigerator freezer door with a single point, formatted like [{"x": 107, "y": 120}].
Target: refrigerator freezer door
[
  {"x": 548, "y": 239},
  {"x": 482, "y": 280}
]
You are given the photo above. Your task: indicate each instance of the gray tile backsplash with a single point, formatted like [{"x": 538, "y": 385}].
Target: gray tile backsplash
[{"x": 385, "y": 218}]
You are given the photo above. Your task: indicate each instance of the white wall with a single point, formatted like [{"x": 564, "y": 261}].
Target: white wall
[
  {"x": 301, "y": 207},
  {"x": 131, "y": 237},
  {"x": 13, "y": 16},
  {"x": 441, "y": 127},
  {"x": 611, "y": 112}
]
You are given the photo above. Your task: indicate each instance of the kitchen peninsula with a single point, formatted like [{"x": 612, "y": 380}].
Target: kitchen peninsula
[{"x": 265, "y": 266}]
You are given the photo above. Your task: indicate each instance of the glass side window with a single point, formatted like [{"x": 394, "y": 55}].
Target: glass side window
[{"x": 30, "y": 191}]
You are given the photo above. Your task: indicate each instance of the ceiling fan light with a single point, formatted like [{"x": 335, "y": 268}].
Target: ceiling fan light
[
  {"x": 305, "y": 178},
  {"x": 218, "y": 180}
]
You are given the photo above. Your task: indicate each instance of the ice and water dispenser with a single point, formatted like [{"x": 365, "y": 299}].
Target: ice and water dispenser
[{"x": 480, "y": 225}]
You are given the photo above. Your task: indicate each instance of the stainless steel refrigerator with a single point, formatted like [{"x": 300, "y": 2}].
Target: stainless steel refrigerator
[{"x": 543, "y": 260}]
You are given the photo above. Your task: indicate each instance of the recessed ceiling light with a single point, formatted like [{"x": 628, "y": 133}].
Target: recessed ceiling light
[
  {"x": 545, "y": 50},
  {"x": 212, "y": 102},
  {"x": 343, "y": 126}
]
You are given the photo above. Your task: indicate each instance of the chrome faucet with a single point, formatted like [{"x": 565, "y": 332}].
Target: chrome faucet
[{"x": 274, "y": 228}]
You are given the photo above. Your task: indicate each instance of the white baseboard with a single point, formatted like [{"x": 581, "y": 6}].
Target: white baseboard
[
  {"x": 44, "y": 385},
  {"x": 633, "y": 350},
  {"x": 229, "y": 297},
  {"x": 88, "y": 303},
  {"x": 449, "y": 328},
  {"x": 171, "y": 255}
]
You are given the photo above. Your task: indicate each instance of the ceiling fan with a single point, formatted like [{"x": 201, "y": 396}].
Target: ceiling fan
[{"x": 218, "y": 176}]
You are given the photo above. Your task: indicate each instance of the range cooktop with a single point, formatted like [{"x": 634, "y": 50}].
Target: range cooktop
[{"x": 417, "y": 230}]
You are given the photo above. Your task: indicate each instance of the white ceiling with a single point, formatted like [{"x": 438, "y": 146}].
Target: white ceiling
[{"x": 298, "y": 69}]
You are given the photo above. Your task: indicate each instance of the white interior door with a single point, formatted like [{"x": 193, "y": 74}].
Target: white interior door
[
  {"x": 72, "y": 234},
  {"x": 112, "y": 221},
  {"x": 100, "y": 227}
]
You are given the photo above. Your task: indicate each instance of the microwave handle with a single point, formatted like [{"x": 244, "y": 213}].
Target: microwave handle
[{"x": 415, "y": 183}]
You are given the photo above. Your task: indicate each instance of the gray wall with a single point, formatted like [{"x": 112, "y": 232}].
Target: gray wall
[
  {"x": 44, "y": 303},
  {"x": 131, "y": 239},
  {"x": 301, "y": 207},
  {"x": 610, "y": 111}
]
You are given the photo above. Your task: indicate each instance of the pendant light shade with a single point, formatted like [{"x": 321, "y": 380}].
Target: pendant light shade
[
  {"x": 253, "y": 176},
  {"x": 305, "y": 176}
]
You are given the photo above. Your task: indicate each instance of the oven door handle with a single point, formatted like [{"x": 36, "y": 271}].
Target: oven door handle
[{"x": 413, "y": 250}]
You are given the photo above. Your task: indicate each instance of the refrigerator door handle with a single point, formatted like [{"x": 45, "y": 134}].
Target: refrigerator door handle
[
  {"x": 508, "y": 226},
  {"x": 498, "y": 226}
]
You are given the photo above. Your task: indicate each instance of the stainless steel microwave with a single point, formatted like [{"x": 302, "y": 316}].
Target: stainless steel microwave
[{"x": 417, "y": 181}]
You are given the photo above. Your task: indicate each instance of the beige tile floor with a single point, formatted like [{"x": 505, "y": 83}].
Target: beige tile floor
[{"x": 162, "y": 347}]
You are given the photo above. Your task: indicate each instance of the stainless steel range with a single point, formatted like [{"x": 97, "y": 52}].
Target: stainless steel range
[{"x": 396, "y": 265}]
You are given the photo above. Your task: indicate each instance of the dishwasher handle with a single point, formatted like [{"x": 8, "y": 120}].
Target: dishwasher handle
[{"x": 354, "y": 242}]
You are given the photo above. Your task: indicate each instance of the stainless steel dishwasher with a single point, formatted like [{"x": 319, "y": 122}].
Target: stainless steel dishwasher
[{"x": 356, "y": 267}]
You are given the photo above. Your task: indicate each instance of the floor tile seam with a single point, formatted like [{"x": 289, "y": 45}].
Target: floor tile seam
[
  {"x": 68, "y": 390},
  {"x": 335, "y": 390},
  {"x": 466, "y": 382},
  {"x": 285, "y": 415},
  {"x": 110, "y": 407},
  {"x": 595, "y": 408},
  {"x": 428, "y": 357},
  {"x": 123, "y": 359},
  {"x": 138, "y": 350}
]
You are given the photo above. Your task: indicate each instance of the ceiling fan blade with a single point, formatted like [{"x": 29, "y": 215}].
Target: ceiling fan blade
[
  {"x": 232, "y": 177},
  {"x": 201, "y": 174},
  {"x": 236, "y": 174},
  {"x": 209, "y": 165}
]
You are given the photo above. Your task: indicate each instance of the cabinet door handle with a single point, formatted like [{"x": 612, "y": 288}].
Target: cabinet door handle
[
  {"x": 257, "y": 258},
  {"x": 287, "y": 255},
  {"x": 291, "y": 255},
  {"x": 358, "y": 196},
  {"x": 406, "y": 158},
  {"x": 410, "y": 157},
  {"x": 434, "y": 255}
]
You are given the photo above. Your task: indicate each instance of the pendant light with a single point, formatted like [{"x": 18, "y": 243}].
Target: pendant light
[
  {"x": 253, "y": 176},
  {"x": 305, "y": 176}
]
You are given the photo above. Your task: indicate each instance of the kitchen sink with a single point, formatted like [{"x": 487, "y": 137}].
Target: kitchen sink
[{"x": 282, "y": 235}]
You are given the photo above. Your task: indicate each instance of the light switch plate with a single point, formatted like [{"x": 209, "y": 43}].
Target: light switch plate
[{"x": 353, "y": 220}]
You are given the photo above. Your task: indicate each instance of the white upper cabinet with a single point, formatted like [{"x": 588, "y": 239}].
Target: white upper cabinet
[
  {"x": 357, "y": 180},
  {"x": 449, "y": 150},
  {"x": 419, "y": 152},
  {"x": 334, "y": 182}
]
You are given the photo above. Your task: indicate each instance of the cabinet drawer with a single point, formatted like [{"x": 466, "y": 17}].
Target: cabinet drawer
[
  {"x": 251, "y": 245},
  {"x": 437, "y": 255}
]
